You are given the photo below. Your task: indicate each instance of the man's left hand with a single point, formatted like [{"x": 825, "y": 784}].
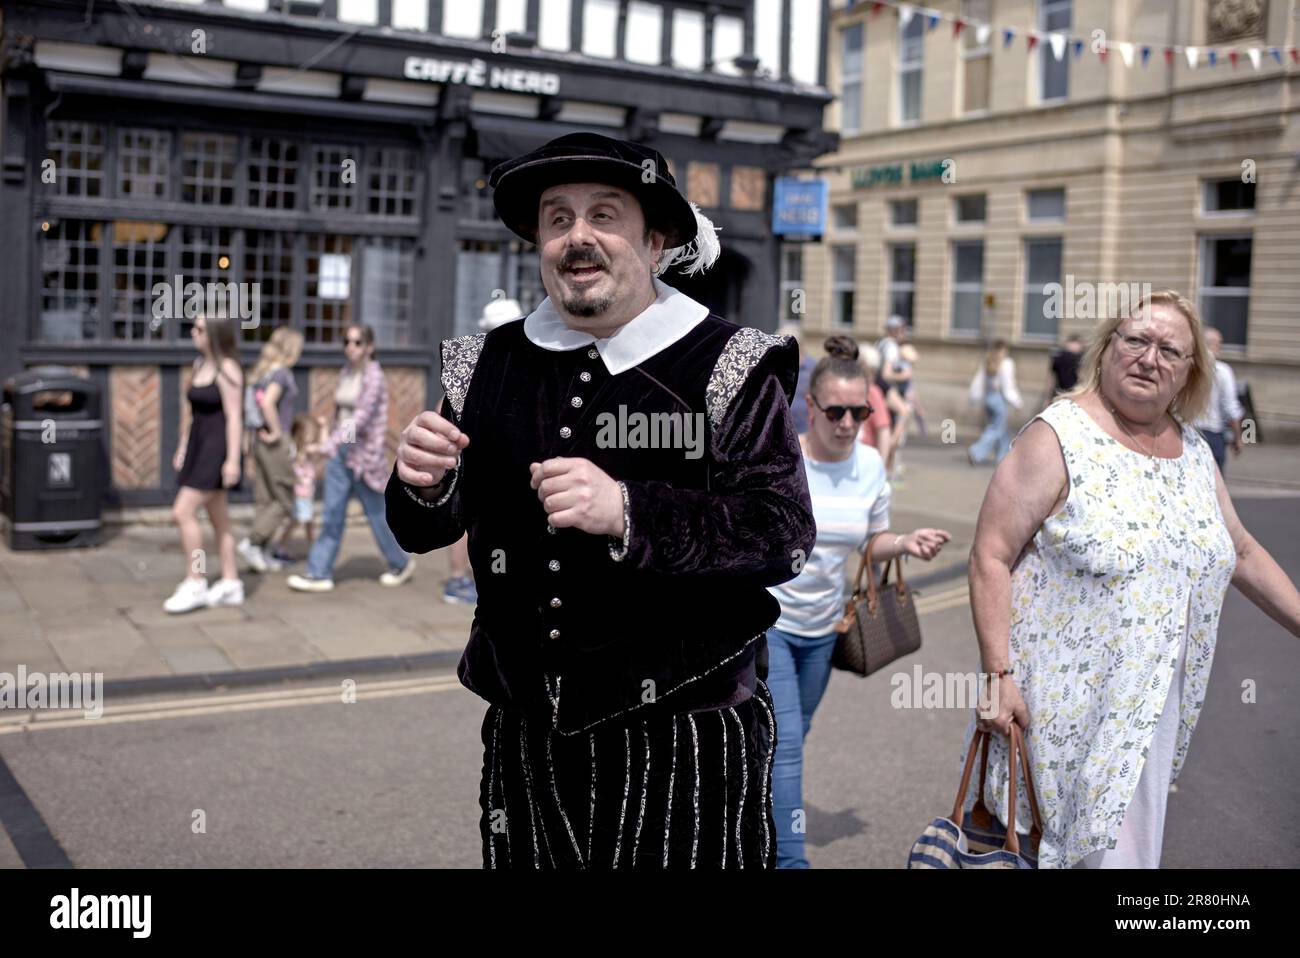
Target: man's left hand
[{"x": 578, "y": 494}]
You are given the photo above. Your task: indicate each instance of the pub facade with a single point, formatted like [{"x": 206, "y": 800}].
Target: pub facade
[{"x": 332, "y": 157}]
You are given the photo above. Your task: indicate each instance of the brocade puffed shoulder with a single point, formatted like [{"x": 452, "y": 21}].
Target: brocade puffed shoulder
[
  {"x": 459, "y": 356},
  {"x": 744, "y": 351}
]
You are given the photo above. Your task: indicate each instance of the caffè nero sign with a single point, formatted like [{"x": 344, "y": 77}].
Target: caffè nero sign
[{"x": 479, "y": 73}]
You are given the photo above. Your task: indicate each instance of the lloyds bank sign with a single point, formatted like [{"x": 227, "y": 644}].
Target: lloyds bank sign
[{"x": 897, "y": 174}]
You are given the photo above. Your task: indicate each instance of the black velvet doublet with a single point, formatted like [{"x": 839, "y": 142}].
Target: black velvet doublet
[{"x": 679, "y": 620}]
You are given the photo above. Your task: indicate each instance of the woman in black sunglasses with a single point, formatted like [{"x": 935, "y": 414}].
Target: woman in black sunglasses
[{"x": 850, "y": 498}]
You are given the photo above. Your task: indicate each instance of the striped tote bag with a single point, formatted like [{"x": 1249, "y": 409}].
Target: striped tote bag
[{"x": 981, "y": 841}]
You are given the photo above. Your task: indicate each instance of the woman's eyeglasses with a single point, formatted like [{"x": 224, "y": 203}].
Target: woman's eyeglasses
[
  {"x": 836, "y": 413},
  {"x": 1138, "y": 346},
  {"x": 352, "y": 342}
]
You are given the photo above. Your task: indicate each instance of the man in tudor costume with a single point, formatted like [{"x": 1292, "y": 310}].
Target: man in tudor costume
[{"x": 622, "y": 588}]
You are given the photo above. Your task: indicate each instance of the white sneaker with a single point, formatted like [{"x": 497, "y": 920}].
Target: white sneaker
[
  {"x": 302, "y": 583},
  {"x": 191, "y": 594},
  {"x": 397, "y": 578},
  {"x": 252, "y": 555},
  {"x": 226, "y": 592}
]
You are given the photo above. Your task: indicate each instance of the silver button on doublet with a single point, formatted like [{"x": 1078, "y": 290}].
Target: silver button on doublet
[
  {"x": 576, "y": 402},
  {"x": 585, "y": 376},
  {"x": 555, "y": 633},
  {"x": 550, "y": 528},
  {"x": 565, "y": 432},
  {"x": 553, "y": 565},
  {"x": 592, "y": 354},
  {"x": 555, "y": 603}
]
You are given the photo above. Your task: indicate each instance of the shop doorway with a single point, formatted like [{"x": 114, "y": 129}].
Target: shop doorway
[{"x": 719, "y": 287}]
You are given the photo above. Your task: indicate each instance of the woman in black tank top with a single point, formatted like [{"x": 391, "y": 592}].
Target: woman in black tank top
[{"x": 207, "y": 463}]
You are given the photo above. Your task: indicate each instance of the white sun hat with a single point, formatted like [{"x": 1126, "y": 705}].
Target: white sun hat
[{"x": 500, "y": 311}]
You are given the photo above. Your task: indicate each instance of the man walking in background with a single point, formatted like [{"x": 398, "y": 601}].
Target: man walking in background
[{"x": 1222, "y": 417}]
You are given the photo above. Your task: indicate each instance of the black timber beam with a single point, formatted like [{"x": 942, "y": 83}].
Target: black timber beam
[{"x": 284, "y": 42}]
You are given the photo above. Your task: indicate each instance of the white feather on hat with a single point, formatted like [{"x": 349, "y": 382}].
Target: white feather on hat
[{"x": 697, "y": 255}]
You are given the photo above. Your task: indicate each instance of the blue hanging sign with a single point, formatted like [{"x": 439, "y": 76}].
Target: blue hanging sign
[{"x": 799, "y": 207}]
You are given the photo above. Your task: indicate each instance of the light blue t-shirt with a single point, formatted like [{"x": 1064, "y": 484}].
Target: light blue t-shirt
[{"x": 850, "y": 501}]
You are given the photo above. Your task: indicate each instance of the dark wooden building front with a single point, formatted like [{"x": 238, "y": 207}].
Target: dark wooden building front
[{"x": 335, "y": 154}]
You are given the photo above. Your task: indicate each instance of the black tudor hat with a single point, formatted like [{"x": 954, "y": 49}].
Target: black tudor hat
[{"x": 518, "y": 184}]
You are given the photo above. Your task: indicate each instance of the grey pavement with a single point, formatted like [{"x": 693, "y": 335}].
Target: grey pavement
[{"x": 100, "y": 609}]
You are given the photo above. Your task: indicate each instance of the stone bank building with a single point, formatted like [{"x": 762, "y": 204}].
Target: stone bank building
[{"x": 1064, "y": 170}]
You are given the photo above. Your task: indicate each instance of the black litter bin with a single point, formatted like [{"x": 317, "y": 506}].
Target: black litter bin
[{"x": 51, "y": 466}]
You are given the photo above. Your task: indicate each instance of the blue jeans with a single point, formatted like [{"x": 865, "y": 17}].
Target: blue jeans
[
  {"x": 995, "y": 440},
  {"x": 798, "y": 671},
  {"x": 340, "y": 487}
]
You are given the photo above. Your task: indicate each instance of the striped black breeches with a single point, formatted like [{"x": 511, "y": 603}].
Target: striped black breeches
[{"x": 685, "y": 790}]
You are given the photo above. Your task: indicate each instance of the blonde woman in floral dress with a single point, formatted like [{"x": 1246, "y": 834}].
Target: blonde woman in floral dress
[{"x": 1103, "y": 551}]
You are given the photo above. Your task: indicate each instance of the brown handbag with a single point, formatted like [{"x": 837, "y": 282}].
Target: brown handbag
[
  {"x": 877, "y": 627},
  {"x": 976, "y": 839}
]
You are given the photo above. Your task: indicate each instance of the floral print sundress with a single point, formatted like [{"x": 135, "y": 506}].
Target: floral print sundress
[{"x": 1135, "y": 563}]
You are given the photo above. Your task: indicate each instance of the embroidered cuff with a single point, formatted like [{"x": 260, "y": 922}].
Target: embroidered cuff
[
  {"x": 618, "y": 555},
  {"x": 454, "y": 473}
]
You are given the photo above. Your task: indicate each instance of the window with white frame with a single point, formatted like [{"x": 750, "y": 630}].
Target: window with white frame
[
  {"x": 843, "y": 269},
  {"x": 599, "y": 28},
  {"x": 1224, "y": 289},
  {"x": 976, "y": 56},
  {"x": 971, "y": 208},
  {"x": 967, "y": 286},
  {"x": 792, "y": 305},
  {"x": 1045, "y": 204},
  {"x": 643, "y": 34},
  {"x": 845, "y": 217},
  {"x": 1042, "y": 267},
  {"x": 851, "y": 41},
  {"x": 902, "y": 280},
  {"x": 1227, "y": 196},
  {"x": 902, "y": 212},
  {"x": 1053, "y": 74},
  {"x": 688, "y": 39},
  {"x": 911, "y": 43},
  {"x": 553, "y": 24}
]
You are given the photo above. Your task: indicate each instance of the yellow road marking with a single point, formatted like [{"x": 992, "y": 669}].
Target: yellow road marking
[
  {"x": 116, "y": 713},
  {"x": 220, "y": 705}
]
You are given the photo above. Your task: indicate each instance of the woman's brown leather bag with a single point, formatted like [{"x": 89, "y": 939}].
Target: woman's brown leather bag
[{"x": 878, "y": 626}]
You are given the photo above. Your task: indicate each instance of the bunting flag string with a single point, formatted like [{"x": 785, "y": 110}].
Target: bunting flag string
[{"x": 1058, "y": 42}]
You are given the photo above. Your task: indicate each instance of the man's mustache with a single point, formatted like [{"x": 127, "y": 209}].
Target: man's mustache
[{"x": 573, "y": 257}]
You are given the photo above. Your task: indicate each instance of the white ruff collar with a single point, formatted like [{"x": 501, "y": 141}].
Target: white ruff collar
[{"x": 671, "y": 316}]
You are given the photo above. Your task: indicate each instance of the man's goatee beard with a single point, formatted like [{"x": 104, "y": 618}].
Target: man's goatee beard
[{"x": 579, "y": 306}]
